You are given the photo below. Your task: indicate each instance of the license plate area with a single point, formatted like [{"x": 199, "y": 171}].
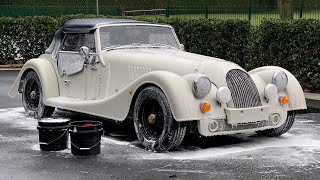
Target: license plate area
[{"x": 247, "y": 115}]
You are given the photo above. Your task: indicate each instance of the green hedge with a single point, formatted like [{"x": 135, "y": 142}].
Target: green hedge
[
  {"x": 292, "y": 45},
  {"x": 28, "y": 36}
]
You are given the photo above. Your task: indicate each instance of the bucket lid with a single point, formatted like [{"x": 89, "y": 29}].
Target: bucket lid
[
  {"x": 54, "y": 122},
  {"x": 86, "y": 124}
]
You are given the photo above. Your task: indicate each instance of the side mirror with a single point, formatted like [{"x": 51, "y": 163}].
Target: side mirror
[
  {"x": 84, "y": 51},
  {"x": 182, "y": 47}
]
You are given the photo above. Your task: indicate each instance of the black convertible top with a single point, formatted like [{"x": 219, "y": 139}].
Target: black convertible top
[{"x": 87, "y": 25}]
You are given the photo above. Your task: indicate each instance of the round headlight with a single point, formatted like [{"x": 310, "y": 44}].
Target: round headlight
[
  {"x": 201, "y": 86},
  {"x": 223, "y": 95},
  {"x": 270, "y": 91},
  {"x": 280, "y": 79}
]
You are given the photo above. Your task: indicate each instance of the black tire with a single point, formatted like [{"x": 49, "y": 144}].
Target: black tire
[
  {"x": 32, "y": 97},
  {"x": 280, "y": 130},
  {"x": 162, "y": 132}
]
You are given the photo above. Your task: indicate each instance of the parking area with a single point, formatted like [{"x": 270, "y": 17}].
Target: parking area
[{"x": 244, "y": 156}]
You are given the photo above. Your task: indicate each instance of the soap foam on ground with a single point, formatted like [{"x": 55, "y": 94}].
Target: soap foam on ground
[{"x": 289, "y": 148}]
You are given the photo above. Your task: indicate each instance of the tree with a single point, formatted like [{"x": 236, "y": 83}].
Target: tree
[{"x": 286, "y": 9}]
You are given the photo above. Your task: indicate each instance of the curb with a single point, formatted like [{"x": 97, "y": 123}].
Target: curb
[
  {"x": 313, "y": 100},
  {"x": 311, "y": 103},
  {"x": 11, "y": 67}
]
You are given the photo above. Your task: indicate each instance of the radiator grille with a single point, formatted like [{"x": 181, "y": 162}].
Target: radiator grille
[{"x": 243, "y": 90}]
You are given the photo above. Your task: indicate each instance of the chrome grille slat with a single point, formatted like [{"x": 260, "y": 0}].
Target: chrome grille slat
[{"x": 243, "y": 90}]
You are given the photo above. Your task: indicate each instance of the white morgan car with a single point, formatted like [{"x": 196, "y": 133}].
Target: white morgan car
[{"x": 136, "y": 71}]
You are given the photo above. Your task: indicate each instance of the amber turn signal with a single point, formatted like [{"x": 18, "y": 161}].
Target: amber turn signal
[
  {"x": 284, "y": 100},
  {"x": 205, "y": 107}
]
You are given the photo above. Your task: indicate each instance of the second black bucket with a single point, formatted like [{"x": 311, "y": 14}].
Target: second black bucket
[
  {"x": 53, "y": 134},
  {"x": 85, "y": 137}
]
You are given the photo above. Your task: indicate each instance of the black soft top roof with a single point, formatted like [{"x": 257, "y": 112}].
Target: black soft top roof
[{"x": 87, "y": 25}]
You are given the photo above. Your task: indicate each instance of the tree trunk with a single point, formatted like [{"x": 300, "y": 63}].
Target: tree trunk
[{"x": 286, "y": 9}]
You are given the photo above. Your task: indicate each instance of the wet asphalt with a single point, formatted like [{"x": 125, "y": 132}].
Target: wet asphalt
[
  {"x": 6, "y": 80},
  {"x": 296, "y": 155}
]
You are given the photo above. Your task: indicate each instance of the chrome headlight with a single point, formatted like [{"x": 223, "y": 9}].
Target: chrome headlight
[
  {"x": 201, "y": 86},
  {"x": 223, "y": 95},
  {"x": 270, "y": 91},
  {"x": 280, "y": 79}
]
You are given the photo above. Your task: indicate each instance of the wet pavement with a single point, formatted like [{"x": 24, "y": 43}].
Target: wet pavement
[
  {"x": 295, "y": 155},
  {"x": 6, "y": 80}
]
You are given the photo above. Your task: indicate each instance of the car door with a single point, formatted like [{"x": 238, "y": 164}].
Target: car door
[
  {"x": 79, "y": 77},
  {"x": 93, "y": 69},
  {"x": 71, "y": 67}
]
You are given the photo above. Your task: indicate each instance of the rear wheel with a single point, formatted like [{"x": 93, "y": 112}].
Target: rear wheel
[
  {"x": 154, "y": 124},
  {"x": 280, "y": 130},
  {"x": 32, "y": 97}
]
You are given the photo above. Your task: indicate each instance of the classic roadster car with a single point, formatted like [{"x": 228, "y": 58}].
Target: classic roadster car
[{"x": 136, "y": 71}]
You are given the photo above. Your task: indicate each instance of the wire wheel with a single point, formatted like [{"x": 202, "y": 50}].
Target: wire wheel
[
  {"x": 32, "y": 97},
  {"x": 285, "y": 127},
  {"x": 32, "y": 94},
  {"x": 152, "y": 118},
  {"x": 154, "y": 124}
]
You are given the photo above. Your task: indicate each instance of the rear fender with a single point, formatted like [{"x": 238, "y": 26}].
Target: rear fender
[{"x": 46, "y": 74}]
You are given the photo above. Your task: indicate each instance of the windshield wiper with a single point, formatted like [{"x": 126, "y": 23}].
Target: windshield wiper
[
  {"x": 122, "y": 46},
  {"x": 157, "y": 45},
  {"x": 133, "y": 45},
  {"x": 111, "y": 47}
]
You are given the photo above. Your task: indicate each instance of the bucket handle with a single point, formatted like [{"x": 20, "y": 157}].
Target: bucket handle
[
  {"x": 43, "y": 143},
  {"x": 89, "y": 148}
]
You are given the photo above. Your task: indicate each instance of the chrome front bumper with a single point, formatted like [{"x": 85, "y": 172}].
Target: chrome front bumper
[{"x": 239, "y": 120}]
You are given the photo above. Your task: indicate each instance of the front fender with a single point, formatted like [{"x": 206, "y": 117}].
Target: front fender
[
  {"x": 46, "y": 74},
  {"x": 293, "y": 90},
  {"x": 183, "y": 104}
]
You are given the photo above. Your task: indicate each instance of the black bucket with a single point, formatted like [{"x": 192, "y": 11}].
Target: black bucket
[
  {"x": 53, "y": 134},
  {"x": 85, "y": 137}
]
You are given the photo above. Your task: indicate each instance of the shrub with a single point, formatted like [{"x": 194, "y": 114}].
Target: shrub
[
  {"x": 292, "y": 45},
  {"x": 35, "y": 35},
  {"x": 8, "y": 38}
]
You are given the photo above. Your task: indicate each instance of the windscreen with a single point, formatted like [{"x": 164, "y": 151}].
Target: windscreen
[{"x": 124, "y": 35}]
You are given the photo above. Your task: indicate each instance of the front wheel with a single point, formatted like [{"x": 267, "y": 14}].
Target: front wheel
[
  {"x": 279, "y": 130},
  {"x": 154, "y": 124},
  {"x": 32, "y": 97}
]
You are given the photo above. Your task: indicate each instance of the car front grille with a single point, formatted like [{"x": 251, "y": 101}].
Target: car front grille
[{"x": 243, "y": 90}]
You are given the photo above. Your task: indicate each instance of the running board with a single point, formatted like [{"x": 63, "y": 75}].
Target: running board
[
  {"x": 68, "y": 102},
  {"x": 86, "y": 106}
]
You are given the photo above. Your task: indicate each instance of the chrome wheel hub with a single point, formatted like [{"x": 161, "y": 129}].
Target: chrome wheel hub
[
  {"x": 33, "y": 94},
  {"x": 152, "y": 118}
]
